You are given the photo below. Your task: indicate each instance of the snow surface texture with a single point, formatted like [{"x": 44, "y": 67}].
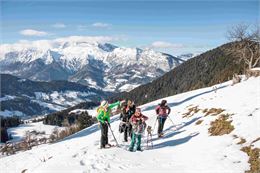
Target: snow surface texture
[{"x": 186, "y": 147}]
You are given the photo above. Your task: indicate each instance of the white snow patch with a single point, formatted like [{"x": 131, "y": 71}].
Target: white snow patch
[
  {"x": 7, "y": 97},
  {"x": 128, "y": 87},
  {"x": 7, "y": 113},
  {"x": 19, "y": 133}
]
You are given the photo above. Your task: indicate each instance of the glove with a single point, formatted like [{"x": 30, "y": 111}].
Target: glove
[{"x": 107, "y": 123}]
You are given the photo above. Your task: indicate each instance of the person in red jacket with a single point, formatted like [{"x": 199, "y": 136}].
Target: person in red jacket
[
  {"x": 162, "y": 111},
  {"x": 138, "y": 127}
]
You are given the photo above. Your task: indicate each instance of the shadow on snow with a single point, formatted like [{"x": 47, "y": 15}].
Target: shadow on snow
[
  {"x": 183, "y": 101},
  {"x": 176, "y": 132},
  {"x": 174, "y": 142},
  {"x": 89, "y": 130}
]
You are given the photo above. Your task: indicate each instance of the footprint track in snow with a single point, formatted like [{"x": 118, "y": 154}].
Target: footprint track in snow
[{"x": 82, "y": 163}]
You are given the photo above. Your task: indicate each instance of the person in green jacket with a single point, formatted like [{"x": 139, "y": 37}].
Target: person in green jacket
[{"x": 103, "y": 117}]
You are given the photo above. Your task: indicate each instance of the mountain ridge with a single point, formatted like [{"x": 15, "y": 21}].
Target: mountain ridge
[{"x": 76, "y": 60}]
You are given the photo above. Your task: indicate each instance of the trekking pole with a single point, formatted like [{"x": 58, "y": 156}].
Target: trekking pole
[
  {"x": 171, "y": 120},
  {"x": 112, "y": 134},
  {"x": 149, "y": 139}
]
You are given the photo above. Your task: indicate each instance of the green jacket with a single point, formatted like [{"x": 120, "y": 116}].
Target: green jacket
[{"x": 105, "y": 115}]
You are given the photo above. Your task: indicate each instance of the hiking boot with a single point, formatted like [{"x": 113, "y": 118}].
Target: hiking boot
[
  {"x": 139, "y": 149},
  {"x": 160, "y": 135},
  {"x": 131, "y": 149}
]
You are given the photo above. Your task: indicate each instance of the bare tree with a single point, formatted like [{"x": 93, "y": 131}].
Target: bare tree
[{"x": 248, "y": 43}]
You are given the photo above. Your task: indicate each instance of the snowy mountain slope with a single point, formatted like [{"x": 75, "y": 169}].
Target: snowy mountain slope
[
  {"x": 19, "y": 133},
  {"x": 23, "y": 97},
  {"x": 92, "y": 63},
  {"x": 186, "y": 147}
]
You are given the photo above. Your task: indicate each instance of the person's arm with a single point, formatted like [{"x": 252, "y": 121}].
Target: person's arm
[
  {"x": 144, "y": 118},
  {"x": 108, "y": 120},
  {"x": 157, "y": 110},
  {"x": 134, "y": 108},
  {"x": 132, "y": 120},
  {"x": 121, "y": 116},
  {"x": 169, "y": 110},
  {"x": 114, "y": 104},
  {"x": 100, "y": 116}
]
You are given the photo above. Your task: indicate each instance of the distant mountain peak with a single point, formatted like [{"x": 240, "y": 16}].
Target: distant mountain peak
[{"x": 93, "y": 63}]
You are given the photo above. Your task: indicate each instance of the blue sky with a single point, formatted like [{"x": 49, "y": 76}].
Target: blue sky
[{"x": 170, "y": 26}]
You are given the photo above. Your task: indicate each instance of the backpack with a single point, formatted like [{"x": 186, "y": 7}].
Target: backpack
[{"x": 122, "y": 127}]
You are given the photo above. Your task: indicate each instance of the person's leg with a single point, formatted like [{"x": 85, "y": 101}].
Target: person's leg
[
  {"x": 106, "y": 133},
  {"x": 139, "y": 136},
  {"x": 163, "y": 121},
  {"x": 131, "y": 148},
  {"x": 130, "y": 130},
  {"x": 125, "y": 133},
  {"x": 103, "y": 136},
  {"x": 159, "y": 125}
]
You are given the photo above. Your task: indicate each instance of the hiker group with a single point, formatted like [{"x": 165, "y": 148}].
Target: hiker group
[{"x": 133, "y": 122}]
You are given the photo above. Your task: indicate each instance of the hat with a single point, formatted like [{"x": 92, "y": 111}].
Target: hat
[
  {"x": 163, "y": 102},
  {"x": 137, "y": 110},
  {"x": 103, "y": 103}
]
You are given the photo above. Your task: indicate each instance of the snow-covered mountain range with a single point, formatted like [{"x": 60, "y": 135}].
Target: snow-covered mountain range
[
  {"x": 187, "y": 146},
  {"x": 96, "y": 64}
]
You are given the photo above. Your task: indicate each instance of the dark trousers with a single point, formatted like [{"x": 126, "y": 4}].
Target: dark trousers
[
  {"x": 161, "y": 121},
  {"x": 104, "y": 132},
  {"x": 127, "y": 132}
]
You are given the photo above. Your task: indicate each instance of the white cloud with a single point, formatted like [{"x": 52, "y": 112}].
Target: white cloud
[
  {"x": 59, "y": 25},
  {"x": 90, "y": 39},
  {"x": 54, "y": 43},
  {"x": 82, "y": 27},
  {"x": 101, "y": 25},
  {"x": 163, "y": 44},
  {"x": 32, "y": 32}
]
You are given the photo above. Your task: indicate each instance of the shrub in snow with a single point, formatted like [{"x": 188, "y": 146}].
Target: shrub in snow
[
  {"x": 7, "y": 149},
  {"x": 199, "y": 122},
  {"x": 242, "y": 141},
  {"x": 236, "y": 79},
  {"x": 191, "y": 111},
  {"x": 252, "y": 73},
  {"x": 221, "y": 126},
  {"x": 213, "y": 111},
  {"x": 254, "y": 159}
]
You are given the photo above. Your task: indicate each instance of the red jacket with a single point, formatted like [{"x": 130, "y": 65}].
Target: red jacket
[
  {"x": 163, "y": 111},
  {"x": 138, "y": 123},
  {"x": 135, "y": 119}
]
